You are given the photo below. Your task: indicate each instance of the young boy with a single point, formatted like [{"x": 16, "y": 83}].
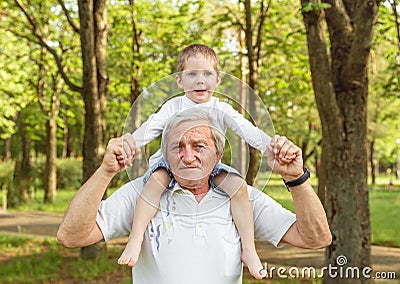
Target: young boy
[{"x": 198, "y": 77}]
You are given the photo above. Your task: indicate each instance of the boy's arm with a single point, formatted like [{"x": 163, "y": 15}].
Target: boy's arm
[
  {"x": 154, "y": 125},
  {"x": 253, "y": 135}
]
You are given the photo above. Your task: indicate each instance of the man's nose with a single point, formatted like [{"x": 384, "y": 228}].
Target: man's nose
[{"x": 187, "y": 155}]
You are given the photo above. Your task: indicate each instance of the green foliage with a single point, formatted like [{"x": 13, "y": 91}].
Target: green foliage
[
  {"x": 312, "y": 6},
  {"x": 69, "y": 173},
  {"x": 15, "y": 92},
  {"x": 384, "y": 90},
  {"x": 6, "y": 174}
]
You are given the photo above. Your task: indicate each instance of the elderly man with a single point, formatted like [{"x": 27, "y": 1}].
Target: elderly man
[{"x": 192, "y": 238}]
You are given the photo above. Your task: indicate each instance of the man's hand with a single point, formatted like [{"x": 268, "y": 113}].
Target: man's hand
[
  {"x": 285, "y": 158},
  {"x": 120, "y": 153}
]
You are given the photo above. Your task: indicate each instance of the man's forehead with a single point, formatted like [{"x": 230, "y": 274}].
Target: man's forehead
[{"x": 192, "y": 129}]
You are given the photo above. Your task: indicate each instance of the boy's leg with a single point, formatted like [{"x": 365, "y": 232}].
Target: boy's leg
[
  {"x": 146, "y": 208},
  {"x": 242, "y": 214}
]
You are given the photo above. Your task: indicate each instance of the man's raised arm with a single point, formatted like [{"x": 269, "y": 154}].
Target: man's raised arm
[
  {"x": 79, "y": 227},
  {"x": 311, "y": 229}
]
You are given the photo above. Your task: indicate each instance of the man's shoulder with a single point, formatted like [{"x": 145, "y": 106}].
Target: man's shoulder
[
  {"x": 258, "y": 197},
  {"x": 134, "y": 186}
]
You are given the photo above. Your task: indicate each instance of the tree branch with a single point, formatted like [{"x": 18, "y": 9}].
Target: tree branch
[
  {"x": 393, "y": 5},
  {"x": 262, "y": 15},
  {"x": 236, "y": 17},
  {"x": 321, "y": 73},
  {"x": 68, "y": 15},
  {"x": 37, "y": 34},
  {"x": 354, "y": 70}
]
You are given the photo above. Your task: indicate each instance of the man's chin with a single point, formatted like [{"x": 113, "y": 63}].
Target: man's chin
[{"x": 192, "y": 180}]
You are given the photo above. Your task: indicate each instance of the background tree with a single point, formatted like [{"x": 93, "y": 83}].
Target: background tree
[
  {"x": 340, "y": 84},
  {"x": 49, "y": 101},
  {"x": 383, "y": 119}
]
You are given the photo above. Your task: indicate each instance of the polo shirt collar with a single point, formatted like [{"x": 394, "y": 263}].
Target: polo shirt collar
[{"x": 177, "y": 188}]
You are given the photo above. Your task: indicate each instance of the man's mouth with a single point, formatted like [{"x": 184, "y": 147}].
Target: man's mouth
[{"x": 189, "y": 167}]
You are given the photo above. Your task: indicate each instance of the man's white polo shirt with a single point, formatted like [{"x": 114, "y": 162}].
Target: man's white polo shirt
[{"x": 189, "y": 241}]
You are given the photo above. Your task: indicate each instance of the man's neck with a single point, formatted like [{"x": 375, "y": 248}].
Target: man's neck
[{"x": 198, "y": 192}]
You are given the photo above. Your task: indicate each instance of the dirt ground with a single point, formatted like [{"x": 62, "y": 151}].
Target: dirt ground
[{"x": 384, "y": 259}]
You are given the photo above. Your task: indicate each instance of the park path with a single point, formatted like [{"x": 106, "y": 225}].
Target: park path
[{"x": 384, "y": 259}]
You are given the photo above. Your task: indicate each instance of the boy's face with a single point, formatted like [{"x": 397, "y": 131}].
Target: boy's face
[{"x": 199, "y": 79}]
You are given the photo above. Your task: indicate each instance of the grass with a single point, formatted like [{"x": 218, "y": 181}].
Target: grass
[
  {"x": 42, "y": 260},
  {"x": 385, "y": 221},
  {"x": 26, "y": 259},
  {"x": 60, "y": 205}
]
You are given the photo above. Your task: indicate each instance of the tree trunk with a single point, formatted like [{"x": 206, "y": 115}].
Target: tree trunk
[
  {"x": 341, "y": 88},
  {"x": 242, "y": 152},
  {"x": 93, "y": 35},
  {"x": 321, "y": 175},
  {"x": 254, "y": 159},
  {"x": 241, "y": 162},
  {"x": 50, "y": 180},
  {"x": 19, "y": 192},
  {"x": 66, "y": 151},
  {"x": 372, "y": 162},
  {"x": 138, "y": 166},
  {"x": 7, "y": 148}
]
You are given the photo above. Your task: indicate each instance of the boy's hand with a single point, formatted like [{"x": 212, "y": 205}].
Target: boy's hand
[{"x": 285, "y": 158}]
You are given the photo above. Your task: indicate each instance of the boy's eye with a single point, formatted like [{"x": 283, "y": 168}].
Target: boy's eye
[
  {"x": 208, "y": 74},
  {"x": 192, "y": 74}
]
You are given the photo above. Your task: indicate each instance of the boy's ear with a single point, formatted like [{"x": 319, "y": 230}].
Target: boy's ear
[
  {"x": 178, "y": 80},
  {"x": 219, "y": 79}
]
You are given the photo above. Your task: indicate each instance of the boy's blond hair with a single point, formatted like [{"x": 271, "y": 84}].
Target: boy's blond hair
[{"x": 194, "y": 50}]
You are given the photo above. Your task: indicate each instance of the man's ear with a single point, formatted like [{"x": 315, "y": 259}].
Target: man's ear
[
  {"x": 178, "y": 80},
  {"x": 219, "y": 156}
]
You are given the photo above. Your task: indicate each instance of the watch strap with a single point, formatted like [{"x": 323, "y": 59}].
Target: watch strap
[{"x": 300, "y": 180}]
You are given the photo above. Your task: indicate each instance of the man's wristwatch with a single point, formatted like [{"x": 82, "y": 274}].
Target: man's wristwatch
[{"x": 305, "y": 176}]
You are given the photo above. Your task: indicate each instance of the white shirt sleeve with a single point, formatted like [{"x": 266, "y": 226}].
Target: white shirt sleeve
[
  {"x": 155, "y": 124},
  {"x": 115, "y": 214},
  {"x": 244, "y": 128},
  {"x": 271, "y": 220}
]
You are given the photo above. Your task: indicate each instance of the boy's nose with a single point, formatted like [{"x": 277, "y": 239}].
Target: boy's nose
[{"x": 200, "y": 79}]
